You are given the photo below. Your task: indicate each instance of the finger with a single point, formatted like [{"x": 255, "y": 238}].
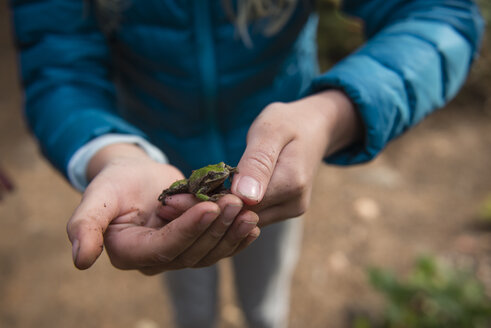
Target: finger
[
  {"x": 230, "y": 206},
  {"x": 253, "y": 235},
  {"x": 264, "y": 145},
  {"x": 289, "y": 183},
  {"x": 156, "y": 222},
  {"x": 88, "y": 223},
  {"x": 176, "y": 205},
  {"x": 283, "y": 211},
  {"x": 243, "y": 225},
  {"x": 282, "y": 187},
  {"x": 153, "y": 270},
  {"x": 138, "y": 247}
]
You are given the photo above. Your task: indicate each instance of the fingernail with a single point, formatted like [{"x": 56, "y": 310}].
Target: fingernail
[
  {"x": 249, "y": 187},
  {"x": 208, "y": 218},
  {"x": 255, "y": 232},
  {"x": 75, "y": 250},
  {"x": 230, "y": 212},
  {"x": 245, "y": 227}
]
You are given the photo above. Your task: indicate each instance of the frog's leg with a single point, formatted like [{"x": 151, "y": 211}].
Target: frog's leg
[
  {"x": 219, "y": 194},
  {"x": 216, "y": 197},
  {"x": 202, "y": 197},
  {"x": 178, "y": 187},
  {"x": 201, "y": 194}
]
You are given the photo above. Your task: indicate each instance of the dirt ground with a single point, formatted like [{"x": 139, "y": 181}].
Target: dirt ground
[{"x": 421, "y": 196}]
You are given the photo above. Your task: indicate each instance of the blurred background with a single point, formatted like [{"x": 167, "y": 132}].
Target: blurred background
[{"x": 404, "y": 238}]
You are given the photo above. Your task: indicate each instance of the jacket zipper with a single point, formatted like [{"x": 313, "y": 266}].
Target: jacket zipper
[{"x": 207, "y": 65}]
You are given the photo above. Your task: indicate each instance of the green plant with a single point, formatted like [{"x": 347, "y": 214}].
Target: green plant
[{"x": 433, "y": 296}]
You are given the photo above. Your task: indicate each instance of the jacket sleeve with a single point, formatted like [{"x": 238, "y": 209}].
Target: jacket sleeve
[
  {"x": 66, "y": 74},
  {"x": 416, "y": 58}
]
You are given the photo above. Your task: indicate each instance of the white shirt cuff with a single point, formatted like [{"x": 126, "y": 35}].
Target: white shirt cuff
[{"x": 77, "y": 166}]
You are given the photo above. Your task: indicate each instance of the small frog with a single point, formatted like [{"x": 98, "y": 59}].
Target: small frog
[{"x": 205, "y": 183}]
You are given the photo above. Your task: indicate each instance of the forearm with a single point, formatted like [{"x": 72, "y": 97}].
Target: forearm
[
  {"x": 416, "y": 58},
  {"x": 65, "y": 62}
]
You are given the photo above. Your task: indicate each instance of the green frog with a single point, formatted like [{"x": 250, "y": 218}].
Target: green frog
[{"x": 207, "y": 183}]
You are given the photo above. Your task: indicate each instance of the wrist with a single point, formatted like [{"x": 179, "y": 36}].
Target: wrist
[
  {"x": 346, "y": 127},
  {"x": 111, "y": 153},
  {"x": 77, "y": 166},
  {"x": 342, "y": 123}
]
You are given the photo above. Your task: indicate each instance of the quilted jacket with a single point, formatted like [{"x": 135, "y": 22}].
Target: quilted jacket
[{"x": 175, "y": 72}]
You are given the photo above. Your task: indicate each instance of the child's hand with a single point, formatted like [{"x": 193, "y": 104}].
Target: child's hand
[
  {"x": 120, "y": 210},
  {"x": 285, "y": 146}
]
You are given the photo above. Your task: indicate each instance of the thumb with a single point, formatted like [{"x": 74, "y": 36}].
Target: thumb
[
  {"x": 87, "y": 225},
  {"x": 264, "y": 145}
]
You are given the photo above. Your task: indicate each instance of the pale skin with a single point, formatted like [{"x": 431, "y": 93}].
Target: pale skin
[{"x": 119, "y": 209}]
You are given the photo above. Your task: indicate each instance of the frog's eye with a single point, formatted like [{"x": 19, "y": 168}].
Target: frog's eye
[{"x": 212, "y": 175}]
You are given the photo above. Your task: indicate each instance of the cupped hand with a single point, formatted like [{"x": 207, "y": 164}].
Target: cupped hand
[
  {"x": 119, "y": 209},
  {"x": 233, "y": 230},
  {"x": 285, "y": 146}
]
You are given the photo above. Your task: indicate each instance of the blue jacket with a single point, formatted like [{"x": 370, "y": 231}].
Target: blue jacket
[{"x": 175, "y": 72}]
